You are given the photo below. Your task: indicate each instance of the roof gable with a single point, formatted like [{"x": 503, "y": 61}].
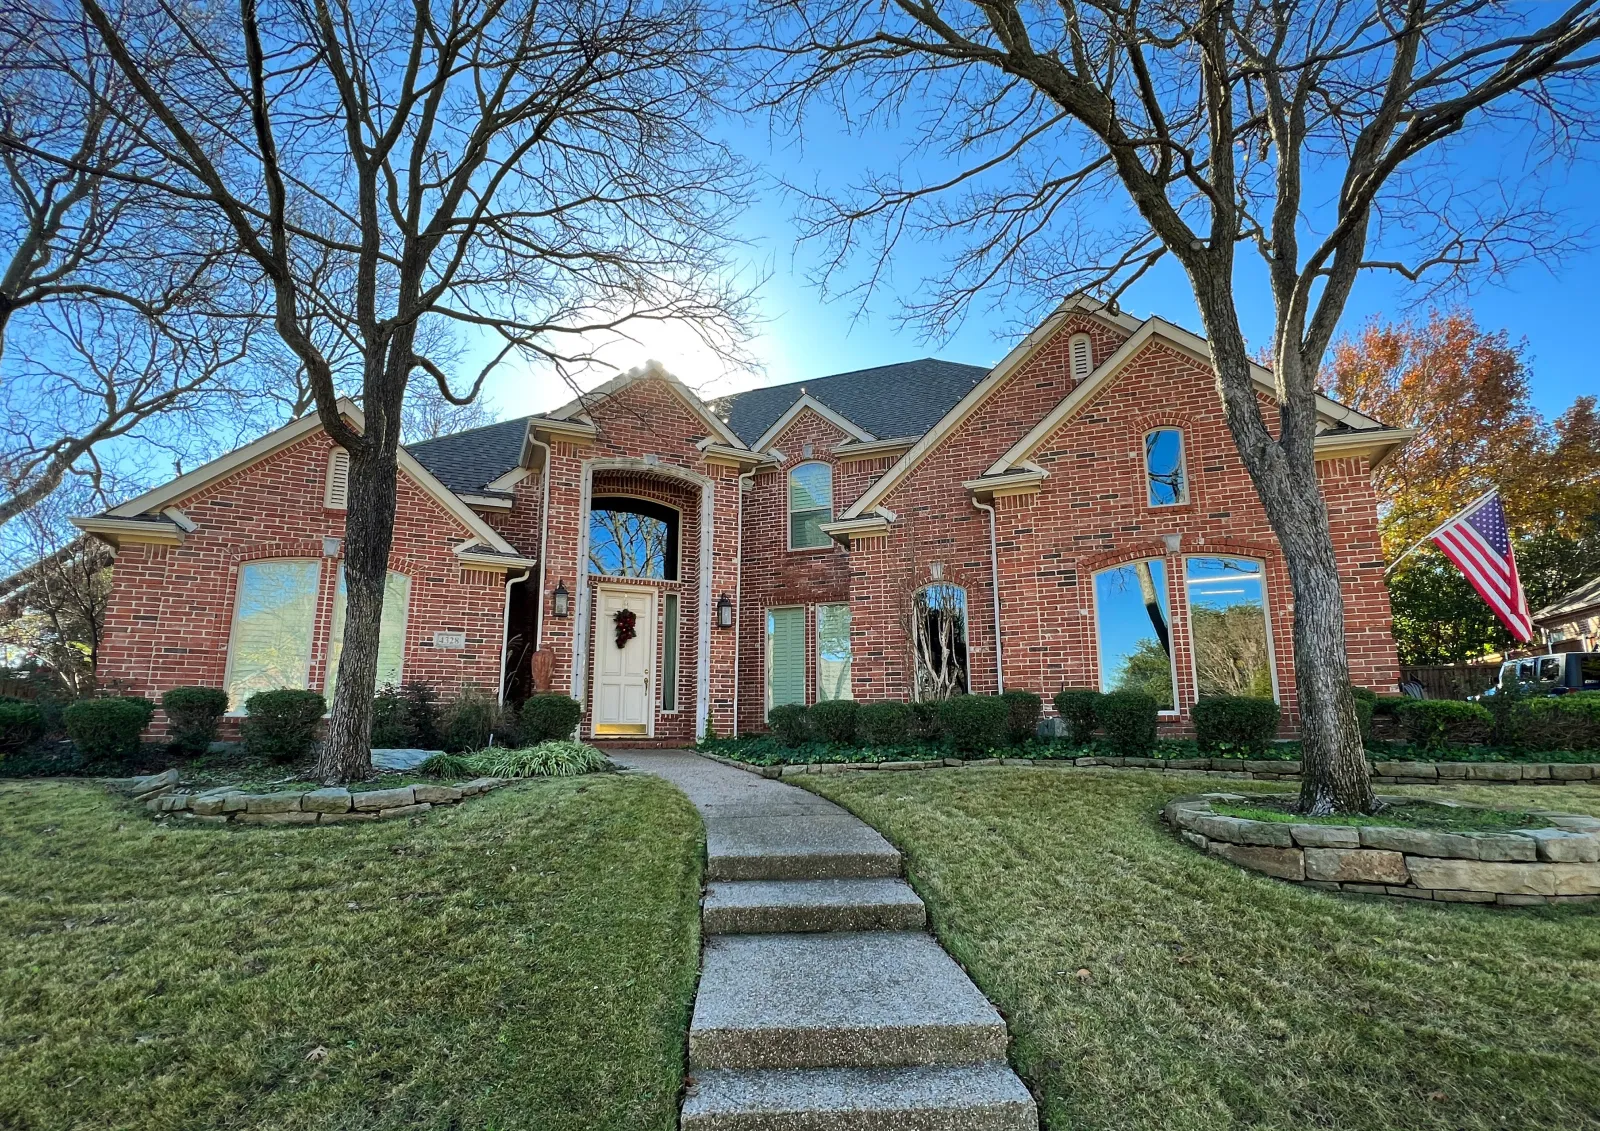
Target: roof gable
[
  {"x": 469, "y": 461},
  {"x": 579, "y": 408},
  {"x": 804, "y": 404}
]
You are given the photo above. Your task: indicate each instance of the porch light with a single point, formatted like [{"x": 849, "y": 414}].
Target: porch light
[
  {"x": 724, "y": 612},
  {"x": 561, "y": 598}
]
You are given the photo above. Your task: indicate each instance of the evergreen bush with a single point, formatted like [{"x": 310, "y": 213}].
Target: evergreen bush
[
  {"x": 422, "y": 715},
  {"x": 885, "y": 724},
  {"x": 549, "y": 716},
  {"x": 973, "y": 724},
  {"x": 390, "y": 730},
  {"x": 1366, "y": 705},
  {"x": 281, "y": 725},
  {"x": 1509, "y": 715},
  {"x": 193, "y": 714},
  {"x": 1022, "y": 715},
  {"x": 108, "y": 728},
  {"x": 1079, "y": 708},
  {"x": 1566, "y": 722},
  {"x": 467, "y": 721},
  {"x": 1129, "y": 720},
  {"x": 789, "y": 724},
  {"x": 1436, "y": 724},
  {"x": 1235, "y": 724},
  {"x": 922, "y": 721},
  {"x": 835, "y": 720},
  {"x": 21, "y": 725}
]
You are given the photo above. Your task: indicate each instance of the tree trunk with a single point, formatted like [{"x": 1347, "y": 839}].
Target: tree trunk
[{"x": 369, "y": 532}]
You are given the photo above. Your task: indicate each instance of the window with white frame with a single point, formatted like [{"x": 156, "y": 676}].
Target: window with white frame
[
  {"x": 1132, "y": 630},
  {"x": 786, "y": 656},
  {"x": 833, "y": 652},
  {"x": 1080, "y": 349},
  {"x": 939, "y": 638},
  {"x": 1228, "y": 626},
  {"x": 391, "y": 631},
  {"x": 810, "y": 505},
  {"x": 1165, "y": 480},
  {"x": 274, "y": 615}
]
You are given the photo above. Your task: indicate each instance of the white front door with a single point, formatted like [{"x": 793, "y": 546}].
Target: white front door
[{"x": 624, "y": 688}]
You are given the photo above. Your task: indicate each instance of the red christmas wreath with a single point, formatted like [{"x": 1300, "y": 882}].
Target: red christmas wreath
[{"x": 625, "y": 620}]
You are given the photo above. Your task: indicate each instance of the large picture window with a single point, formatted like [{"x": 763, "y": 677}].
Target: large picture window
[
  {"x": 1228, "y": 623},
  {"x": 939, "y": 635},
  {"x": 1132, "y": 626},
  {"x": 833, "y": 652},
  {"x": 391, "y": 631},
  {"x": 810, "y": 505},
  {"x": 633, "y": 538},
  {"x": 1163, "y": 466},
  {"x": 273, "y": 618}
]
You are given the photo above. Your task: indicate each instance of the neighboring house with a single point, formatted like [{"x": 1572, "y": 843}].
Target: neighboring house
[
  {"x": 857, "y": 535},
  {"x": 1572, "y": 624}
]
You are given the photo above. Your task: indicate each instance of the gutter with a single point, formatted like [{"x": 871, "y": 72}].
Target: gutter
[{"x": 994, "y": 590}]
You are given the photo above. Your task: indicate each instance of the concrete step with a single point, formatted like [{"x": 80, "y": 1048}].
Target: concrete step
[
  {"x": 842, "y": 999},
  {"x": 967, "y": 1097},
  {"x": 741, "y": 907},
  {"x": 801, "y": 846}
]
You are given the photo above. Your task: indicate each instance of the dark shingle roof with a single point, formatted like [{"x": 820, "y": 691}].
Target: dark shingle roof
[
  {"x": 905, "y": 399},
  {"x": 468, "y": 461}
]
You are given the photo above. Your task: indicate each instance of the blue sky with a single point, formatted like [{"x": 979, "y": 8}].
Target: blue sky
[{"x": 804, "y": 336}]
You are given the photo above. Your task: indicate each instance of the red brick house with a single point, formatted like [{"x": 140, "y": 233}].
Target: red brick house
[{"x": 1075, "y": 516}]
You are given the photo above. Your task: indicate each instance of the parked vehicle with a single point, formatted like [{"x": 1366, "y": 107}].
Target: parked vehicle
[{"x": 1559, "y": 674}]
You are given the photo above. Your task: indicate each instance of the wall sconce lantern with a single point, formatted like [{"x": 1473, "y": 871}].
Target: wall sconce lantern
[
  {"x": 562, "y": 598},
  {"x": 724, "y": 612}
]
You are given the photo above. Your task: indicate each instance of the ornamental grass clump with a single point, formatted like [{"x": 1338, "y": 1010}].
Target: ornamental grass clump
[
  {"x": 108, "y": 729},
  {"x": 973, "y": 724},
  {"x": 558, "y": 758},
  {"x": 1079, "y": 708},
  {"x": 835, "y": 721},
  {"x": 1022, "y": 715},
  {"x": 449, "y": 766},
  {"x": 885, "y": 724},
  {"x": 789, "y": 724},
  {"x": 1129, "y": 720},
  {"x": 1235, "y": 724},
  {"x": 193, "y": 714}
]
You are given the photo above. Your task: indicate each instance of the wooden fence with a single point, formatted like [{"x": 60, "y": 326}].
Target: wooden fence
[{"x": 1451, "y": 681}]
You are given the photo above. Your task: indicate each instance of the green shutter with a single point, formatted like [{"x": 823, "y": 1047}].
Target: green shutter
[{"x": 786, "y": 656}]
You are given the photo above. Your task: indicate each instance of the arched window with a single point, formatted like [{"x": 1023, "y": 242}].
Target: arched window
[
  {"x": 633, "y": 538},
  {"x": 1228, "y": 626},
  {"x": 1080, "y": 348},
  {"x": 273, "y": 616},
  {"x": 1131, "y": 625},
  {"x": 810, "y": 505},
  {"x": 939, "y": 631},
  {"x": 1163, "y": 468},
  {"x": 391, "y": 632}
]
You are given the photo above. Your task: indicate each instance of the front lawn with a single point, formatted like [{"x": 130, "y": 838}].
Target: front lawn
[
  {"x": 526, "y": 960},
  {"x": 1148, "y": 986}
]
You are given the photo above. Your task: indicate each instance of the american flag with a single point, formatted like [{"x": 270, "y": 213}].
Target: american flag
[{"x": 1479, "y": 544}]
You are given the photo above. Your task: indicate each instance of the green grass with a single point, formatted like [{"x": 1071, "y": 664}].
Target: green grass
[
  {"x": 526, "y": 960},
  {"x": 1148, "y": 986},
  {"x": 1415, "y": 816}
]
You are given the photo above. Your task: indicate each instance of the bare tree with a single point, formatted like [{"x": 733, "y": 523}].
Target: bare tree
[
  {"x": 118, "y": 313},
  {"x": 525, "y": 175},
  {"x": 1081, "y": 142}
]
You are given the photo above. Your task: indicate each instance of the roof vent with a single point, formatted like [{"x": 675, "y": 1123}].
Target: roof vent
[
  {"x": 1081, "y": 351},
  {"x": 336, "y": 492}
]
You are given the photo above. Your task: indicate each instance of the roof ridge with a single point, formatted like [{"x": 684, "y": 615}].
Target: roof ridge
[{"x": 804, "y": 381}]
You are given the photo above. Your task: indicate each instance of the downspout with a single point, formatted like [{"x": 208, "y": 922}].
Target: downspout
[
  {"x": 994, "y": 589},
  {"x": 505, "y": 632},
  {"x": 748, "y": 478}
]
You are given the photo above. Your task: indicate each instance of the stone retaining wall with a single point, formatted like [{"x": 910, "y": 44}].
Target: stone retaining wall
[
  {"x": 224, "y": 804},
  {"x": 1543, "y": 865},
  {"x": 1237, "y": 769}
]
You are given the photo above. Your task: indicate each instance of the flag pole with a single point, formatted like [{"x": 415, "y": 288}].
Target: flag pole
[{"x": 1428, "y": 537}]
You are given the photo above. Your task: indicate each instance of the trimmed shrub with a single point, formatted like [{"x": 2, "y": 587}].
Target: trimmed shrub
[
  {"x": 1129, "y": 720},
  {"x": 834, "y": 720},
  {"x": 1509, "y": 715},
  {"x": 389, "y": 727},
  {"x": 422, "y": 715},
  {"x": 192, "y": 715},
  {"x": 558, "y": 758},
  {"x": 108, "y": 728},
  {"x": 1388, "y": 706},
  {"x": 1235, "y": 724},
  {"x": 21, "y": 724},
  {"x": 1565, "y": 722},
  {"x": 885, "y": 724},
  {"x": 789, "y": 724},
  {"x": 281, "y": 725},
  {"x": 1366, "y": 703},
  {"x": 973, "y": 724},
  {"x": 1436, "y": 724},
  {"x": 468, "y": 720},
  {"x": 1022, "y": 715},
  {"x": 1079, "y": 708},
  {"x": 548, "y": 717},
  {"x": 922, "y": 721}
]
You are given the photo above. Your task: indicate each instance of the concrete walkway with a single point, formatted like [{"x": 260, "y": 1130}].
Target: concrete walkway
[{"x": 823, "y": 1001}]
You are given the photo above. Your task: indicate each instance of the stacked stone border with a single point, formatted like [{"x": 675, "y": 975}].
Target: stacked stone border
[
  {"x": 1557, "y": 864},
  {"x": 1236, "y": 769},
  {"x": 231, "y": 805}
]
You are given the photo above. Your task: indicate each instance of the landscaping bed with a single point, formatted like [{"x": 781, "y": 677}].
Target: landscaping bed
[
  {"x": 1147, "y": 986},
  {"x": 527, "y": 961}
]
